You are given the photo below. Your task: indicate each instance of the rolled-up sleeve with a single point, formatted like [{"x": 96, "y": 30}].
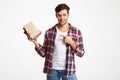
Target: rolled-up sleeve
[{"x": 79, "y": 45}]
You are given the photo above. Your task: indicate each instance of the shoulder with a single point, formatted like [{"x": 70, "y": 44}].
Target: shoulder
[
  {"x": 74, "y": 29},
  {"x": 51, "y": 30}
]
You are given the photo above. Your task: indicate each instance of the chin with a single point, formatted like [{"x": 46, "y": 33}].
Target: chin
[{"x": 62, "y": 23}]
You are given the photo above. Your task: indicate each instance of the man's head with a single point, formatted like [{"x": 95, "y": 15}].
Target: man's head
[
  {"x": 62, "y": 7},
  {"x": 62, "y": 13}
]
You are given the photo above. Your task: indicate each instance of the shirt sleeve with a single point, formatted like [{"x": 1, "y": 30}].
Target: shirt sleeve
[{"x": 79, "y": 44}]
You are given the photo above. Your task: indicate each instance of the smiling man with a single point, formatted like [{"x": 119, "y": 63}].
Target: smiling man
[{"x": 61, "y": 43}]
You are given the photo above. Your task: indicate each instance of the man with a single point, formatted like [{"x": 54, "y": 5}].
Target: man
[{"x": 61, "y": 43}]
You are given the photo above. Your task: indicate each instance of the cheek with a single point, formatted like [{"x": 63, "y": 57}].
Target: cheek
[
  {"x": 58, "y": 17},
  {"x": 65, "y": 18}
]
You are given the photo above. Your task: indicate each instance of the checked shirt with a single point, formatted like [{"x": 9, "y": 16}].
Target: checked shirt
[{"x": 46, "y": 50}]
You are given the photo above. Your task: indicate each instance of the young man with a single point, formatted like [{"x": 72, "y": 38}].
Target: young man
[{"x": 61, "y": 43}]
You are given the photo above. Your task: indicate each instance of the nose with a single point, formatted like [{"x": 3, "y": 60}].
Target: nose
[{"x": 61, "y": 17}]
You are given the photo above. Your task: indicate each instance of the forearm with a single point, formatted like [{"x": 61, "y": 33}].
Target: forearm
[{"x": 73, "y": 45}]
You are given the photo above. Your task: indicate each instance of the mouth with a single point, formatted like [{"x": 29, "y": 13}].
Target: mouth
[{"x": 62, "y": 21}]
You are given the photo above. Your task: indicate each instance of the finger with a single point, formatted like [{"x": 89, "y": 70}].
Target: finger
[
  {"x": 63, "y": 36},
  {"x": 28, "y": 34},
  {"x": 70, "y": 36}
]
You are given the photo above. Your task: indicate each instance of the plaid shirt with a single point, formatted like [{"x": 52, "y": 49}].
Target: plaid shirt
[{"x": 46, "y": 50}]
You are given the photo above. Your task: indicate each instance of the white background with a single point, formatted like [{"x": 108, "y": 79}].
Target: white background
[{"x": 98, "y": 20}]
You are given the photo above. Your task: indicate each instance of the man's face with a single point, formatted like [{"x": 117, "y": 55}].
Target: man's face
[{"x": 62, "y": 17}]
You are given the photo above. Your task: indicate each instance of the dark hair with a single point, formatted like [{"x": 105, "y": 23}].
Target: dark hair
[{"x": 61, "y": 7}]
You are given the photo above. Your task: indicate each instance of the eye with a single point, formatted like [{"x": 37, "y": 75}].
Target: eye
[
  {"x": 64, "y": 14},
  {"x": 59, "y": 15}
]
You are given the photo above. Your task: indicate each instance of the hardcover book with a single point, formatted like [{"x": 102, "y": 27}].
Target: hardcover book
[{"x": 31, "y": 29}]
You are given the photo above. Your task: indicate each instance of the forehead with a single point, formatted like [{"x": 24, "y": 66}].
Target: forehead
[{"x": 64, "y": 11}]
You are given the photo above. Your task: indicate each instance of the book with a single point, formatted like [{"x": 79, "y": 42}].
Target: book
[{"x": 31, "y": 29}]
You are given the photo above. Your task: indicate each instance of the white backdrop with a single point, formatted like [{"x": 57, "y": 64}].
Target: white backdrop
[{"x": 98, "y": 20}]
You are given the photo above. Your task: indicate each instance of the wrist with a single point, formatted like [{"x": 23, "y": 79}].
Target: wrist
[{"x": 36, "y": 44}]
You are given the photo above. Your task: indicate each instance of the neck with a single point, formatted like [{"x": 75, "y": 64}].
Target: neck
[{"x": 63, "y": 28}]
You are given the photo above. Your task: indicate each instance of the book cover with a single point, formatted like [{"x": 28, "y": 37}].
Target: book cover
[{"x": 32, "y": 30}]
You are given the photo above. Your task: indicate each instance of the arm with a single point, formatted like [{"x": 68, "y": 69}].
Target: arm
[{"x": 79, "y": 44}]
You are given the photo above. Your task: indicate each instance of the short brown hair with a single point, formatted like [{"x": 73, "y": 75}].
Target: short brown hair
[{"x": 61, "y": 7}]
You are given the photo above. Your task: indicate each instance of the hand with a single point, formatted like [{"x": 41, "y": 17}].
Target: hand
[
  {"x": 29, "y": 37},
  {"x": 67, "y": 39}
]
